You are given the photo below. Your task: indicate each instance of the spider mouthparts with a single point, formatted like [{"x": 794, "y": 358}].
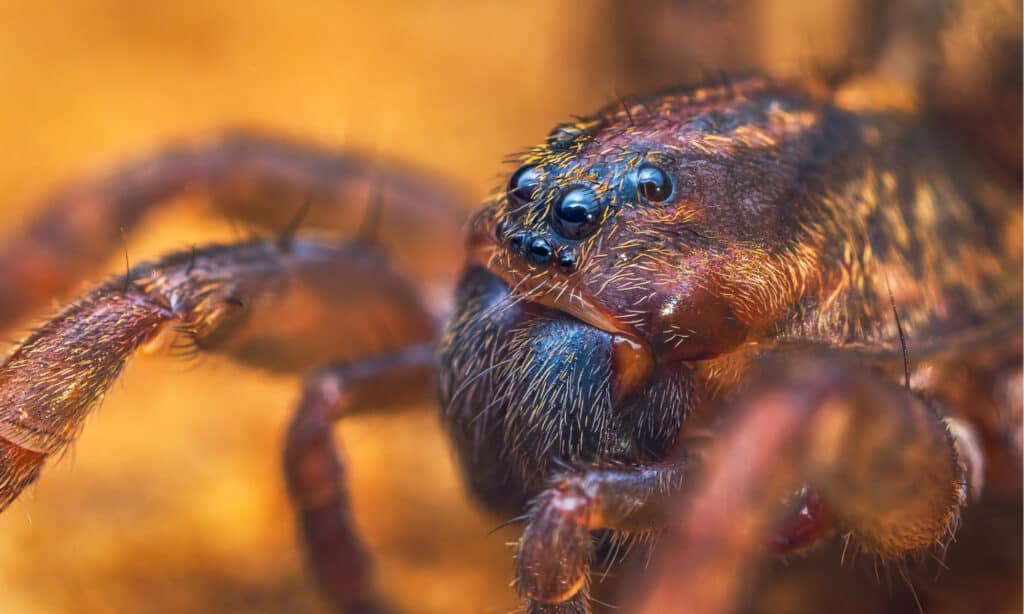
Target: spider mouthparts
[
  {"x": 632, "y": 364},
  {"x": 633, "y": 358}
]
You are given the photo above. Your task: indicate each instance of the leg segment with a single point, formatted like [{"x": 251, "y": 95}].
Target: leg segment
[
  {"x": 256, "y": 179},
  {"x": 879, "y": 455},
  {"x": 315, "y": 473},
  {"x": 281, "y": 308},
  {"x": 553, "y": 564}
]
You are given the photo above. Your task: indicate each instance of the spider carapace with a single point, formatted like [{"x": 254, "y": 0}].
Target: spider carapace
[{"x": 685, "y": 312}]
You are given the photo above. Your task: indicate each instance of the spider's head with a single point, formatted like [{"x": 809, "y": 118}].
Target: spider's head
[
  {"x": 666, "y": 222},
  {"x": 658, "y": 233}
]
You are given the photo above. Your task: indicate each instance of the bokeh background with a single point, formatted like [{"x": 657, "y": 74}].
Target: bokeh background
[{"x": 172, "y": 500}]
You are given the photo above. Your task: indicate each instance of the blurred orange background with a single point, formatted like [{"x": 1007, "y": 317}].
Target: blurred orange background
[{"x": 172, "y": 500}]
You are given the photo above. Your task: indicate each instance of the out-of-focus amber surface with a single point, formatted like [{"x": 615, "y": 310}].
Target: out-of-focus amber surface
[{"x": 172, "y": 500}]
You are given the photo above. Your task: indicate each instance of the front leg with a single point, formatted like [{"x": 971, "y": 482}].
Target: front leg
[
  {"x": 881, "y": 459},
  {"x": 879, "y": 455},
  {"x": 288, "y": 308},
  {"x": 553, "y": 564}
]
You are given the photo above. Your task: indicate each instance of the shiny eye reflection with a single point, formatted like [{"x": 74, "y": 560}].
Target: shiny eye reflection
[
  {"x": 653, "y": 183},
  {"x": 578, "y": 213},
  {"x": 523, "y": 186}
]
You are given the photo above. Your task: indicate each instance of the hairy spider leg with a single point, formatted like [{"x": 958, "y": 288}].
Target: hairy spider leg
[
  {"x": 257, "y": 180},
  {"x": 880, "y": 455},
  {"x": 287, "y": 309}
]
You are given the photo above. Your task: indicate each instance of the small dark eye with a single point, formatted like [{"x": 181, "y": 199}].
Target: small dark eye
[
  {"x": 539, "y": 251},
  {"x": 563, "y": 137},
  {"x": 653, "y": 184},
  {"x": 566, "y": 261},
  {"x": 577, "y": 213},
  {"x": 523, "y": 185}
]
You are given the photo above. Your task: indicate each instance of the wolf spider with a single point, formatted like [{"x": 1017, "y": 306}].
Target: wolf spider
[{"x": 687, "y": 312}]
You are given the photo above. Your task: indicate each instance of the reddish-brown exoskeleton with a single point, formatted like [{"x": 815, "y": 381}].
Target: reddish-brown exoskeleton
[{"x": 687, "y": 312}]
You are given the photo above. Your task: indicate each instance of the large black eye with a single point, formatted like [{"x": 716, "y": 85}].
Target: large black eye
[
  {"x": 577, "y": 213},
  {"x": 653, "y": 184},
  {"x": 523, "y": 185}
]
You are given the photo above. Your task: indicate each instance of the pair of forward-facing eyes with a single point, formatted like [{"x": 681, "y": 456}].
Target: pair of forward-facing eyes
[{"x": 578, "y": 209}]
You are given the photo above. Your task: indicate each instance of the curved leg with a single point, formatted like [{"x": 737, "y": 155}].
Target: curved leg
[
  {"x": 315, "y": 472},
  {"x": 284, "y": 306},
  {"x": 553, "y": 564},
  {"x": 259, "y": 180},
  {"x": 287, "y": 309},
  {"x": 880, "y": 456},
  {"x": 881, "y": 459}
]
